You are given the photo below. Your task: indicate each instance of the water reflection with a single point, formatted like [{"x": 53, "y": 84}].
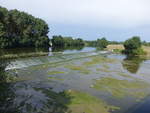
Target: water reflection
[
  {"x": 32, "y": 97},
  {"x": 3, "y": 74},
  {"x": 132, "y": 63},
  {"x": 62, "y": 49},
  {"x": 29, "y": 96}
]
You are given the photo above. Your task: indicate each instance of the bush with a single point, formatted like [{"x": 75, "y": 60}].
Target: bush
[{"x": 133, "y": 46}]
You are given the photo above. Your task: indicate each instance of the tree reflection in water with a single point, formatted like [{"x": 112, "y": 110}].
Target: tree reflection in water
[
  {"x": 132, "y": 63},
  {"x": 32, "y": 97}
]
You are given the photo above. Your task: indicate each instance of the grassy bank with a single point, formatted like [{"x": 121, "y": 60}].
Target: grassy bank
[{"x": 118, "y": 48}]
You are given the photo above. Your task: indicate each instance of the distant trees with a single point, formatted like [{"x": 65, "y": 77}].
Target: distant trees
[
  {"x": 19, "y": 29},
  {"x": 102, "y": 43},
  {"x": 91, "y": 43},
  {"x": 59, "y": 41},
  {"x": 133, "y": 46}
]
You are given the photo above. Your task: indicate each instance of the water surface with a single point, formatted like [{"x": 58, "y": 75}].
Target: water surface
[{"x": 76, "y": 81}]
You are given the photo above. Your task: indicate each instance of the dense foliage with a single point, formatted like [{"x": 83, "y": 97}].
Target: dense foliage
[
  {"x": 19, "y": 29},
  {"x": 91, "y": 43},
  {"x": 59, "y": 41},
  {"x": 146, "y": 43},
  {"x": 102, "y": 43},
  {"x": 133, "y": 46}
]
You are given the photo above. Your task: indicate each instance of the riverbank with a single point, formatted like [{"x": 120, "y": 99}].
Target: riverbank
[
  {"x": 117, "y": 48},
  {"x": 33, "y": 54}
]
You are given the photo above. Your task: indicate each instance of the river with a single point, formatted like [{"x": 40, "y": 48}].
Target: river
[{"x": 82, "y": 80}]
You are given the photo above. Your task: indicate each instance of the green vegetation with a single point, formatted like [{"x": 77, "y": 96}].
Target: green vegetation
[
  {"x": 85, "y": 103},
  {"x": 98, "y": 60},
  {"x": 102, "y": 43},
  {"x": 4, "y": 75},
  {"x": 11, "y": 56},
  {"x": 133, "y": 46},
  {"x": 121, "y": 88},
  {"x": 59, "y": 41},
  {"x": 132, "y": 64},
  {"x": 55, "y": 78},
  {"x": 19, "y": 29},
  {"x": 86, "y": 66},
  {"x": 72, "y": 101},
  {"x": 99, "y": 43},
  {"x": 81, "y": 69},
  {"x": 55, "y": 72}
]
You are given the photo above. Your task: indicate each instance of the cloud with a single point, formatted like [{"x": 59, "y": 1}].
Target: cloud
[{"x": 116, "y": 13}]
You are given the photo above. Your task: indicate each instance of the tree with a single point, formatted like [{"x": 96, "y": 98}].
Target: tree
[
  {"x": 102, "y": 43},
  {"x": 133, "y": 46},
  {"x": 66, "y": 41},
  {"x": 19, "y": 29}
]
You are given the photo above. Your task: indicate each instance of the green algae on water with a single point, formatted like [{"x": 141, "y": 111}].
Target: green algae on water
[
  {"x": 54, "y": 78},
  {"x": 81, "y": 69},
  {"x": 98, "y": 60},
  {"x": 121, "y": 88},
  {"x": 85, "y": 103},
  {"x": 55, "y": 72}
]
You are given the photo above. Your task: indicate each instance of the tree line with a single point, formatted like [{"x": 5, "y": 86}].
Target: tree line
[
  {"x": 101, "y": 43},
  {"x": 19, "y": 29},
  {"x": 60, "y": 41}
]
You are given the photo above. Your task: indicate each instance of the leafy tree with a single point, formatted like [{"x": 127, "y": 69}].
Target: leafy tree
[
  {"x": 102, "y": 43},
  {"x": 19, "y": 29},
  {"x": 66, "y": 41},
  {"x": 57, "y": 41},
  {"x": 133, "y": 46}
]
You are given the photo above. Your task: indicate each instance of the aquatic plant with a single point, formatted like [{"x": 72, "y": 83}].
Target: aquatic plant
[
  {"x": 55, "y": 72},
  {"x": 121, "y": 88},
  {"x": 85, "y": 103},
  {"x": 81, "y": 69}
]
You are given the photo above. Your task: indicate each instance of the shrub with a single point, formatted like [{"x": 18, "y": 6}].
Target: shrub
[{"x": 133, "y": 46}]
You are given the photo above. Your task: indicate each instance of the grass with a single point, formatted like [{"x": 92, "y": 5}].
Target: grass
[
  {"x": 117, "y": 48},
  {"x": 146, "y": 49},
  {"x": 121, "y": 88}
]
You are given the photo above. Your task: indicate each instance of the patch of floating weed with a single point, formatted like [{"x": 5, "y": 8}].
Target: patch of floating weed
[
  {"x": 121, "y": 88},
  {"x": 124, "y": 75},
  {"x": 105, "y": 66},
  {"x": 78, "y": 68},
  {"x": 71, "y": 101},
  {"x": 55, "y": 72},
  {"x": 103, "y": 70},
  {"x": 37, "y": 67},
  {"x": 85, "y": 103},
  {"x": 54, "y": 78},
  {"x": 98, "y": 60}
]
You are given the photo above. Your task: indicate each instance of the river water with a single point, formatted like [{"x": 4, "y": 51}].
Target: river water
[{"x": 82, "y": 80}]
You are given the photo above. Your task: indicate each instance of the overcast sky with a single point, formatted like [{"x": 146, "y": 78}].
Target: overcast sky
[{"x": 90, "y": 19}]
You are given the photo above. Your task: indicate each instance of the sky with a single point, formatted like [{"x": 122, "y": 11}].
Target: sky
[{"x": 90, "y": 19}]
